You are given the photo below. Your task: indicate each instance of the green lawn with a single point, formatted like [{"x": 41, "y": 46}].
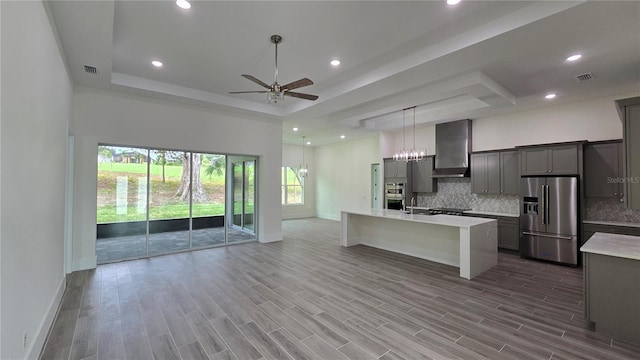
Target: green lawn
[
  {"x": 107, "y": 213},
  {"x": 167, "y": 206}
]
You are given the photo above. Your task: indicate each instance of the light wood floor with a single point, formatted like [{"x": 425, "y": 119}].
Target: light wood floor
[{"x": 308, "y": 298}]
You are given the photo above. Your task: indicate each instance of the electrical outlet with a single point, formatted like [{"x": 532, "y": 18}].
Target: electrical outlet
[{"x": 24, "y": 340}]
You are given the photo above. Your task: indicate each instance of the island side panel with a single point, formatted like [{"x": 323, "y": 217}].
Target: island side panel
[
  {"x": 478, "y": 249},
  {"x": 433, "y": 242},
  {"x": 349, "y": 234}
]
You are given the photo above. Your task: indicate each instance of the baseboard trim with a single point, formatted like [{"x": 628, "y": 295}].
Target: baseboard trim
[
  {"x": 37, "y": 345},
  {"x": 267, "y": 238},
  {"x": 328, "y": 216}
]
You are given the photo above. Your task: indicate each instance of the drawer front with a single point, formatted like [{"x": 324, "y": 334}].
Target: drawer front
[
  {"x": 610, "y": 229},
  {"x": 508, "y": 220}
]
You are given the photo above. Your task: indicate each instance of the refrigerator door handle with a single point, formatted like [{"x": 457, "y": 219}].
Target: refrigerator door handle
[
  {"x": 543, "y": 206},
  {"x": 546, "y": 202},
  {"x": 547, "y": 235}
]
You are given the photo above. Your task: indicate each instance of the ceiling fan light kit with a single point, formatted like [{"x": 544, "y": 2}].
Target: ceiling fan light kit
[{"x": 276, "y": 92}]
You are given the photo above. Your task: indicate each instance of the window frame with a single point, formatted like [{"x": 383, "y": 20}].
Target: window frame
[{"x": 284, "y": 186}]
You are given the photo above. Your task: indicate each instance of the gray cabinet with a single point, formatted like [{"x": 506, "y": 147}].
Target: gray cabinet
[
  {"x": 508, "y": 233},
  {"x": 549, "y": 160},
  {"x": 509, "y": 173},
  {"x": 603, "y": 170},
  {"x": 612, "y": 295},
  {"x": 508, "y": 230},
  {"x": 485, "y": 173},
  {"x": 629, "y": 109},
  {"x": 422, "y": 171},
  {"x": 495, "y": 173},
  {"x": 395, "y": 169}
]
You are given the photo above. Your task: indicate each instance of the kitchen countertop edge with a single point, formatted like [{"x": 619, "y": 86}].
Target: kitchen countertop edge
[
  {"x": 446, "y": 220},
  {"x": 622, "y": 246}
]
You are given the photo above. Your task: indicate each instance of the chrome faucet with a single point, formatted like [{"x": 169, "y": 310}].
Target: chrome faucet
[{"x": 413, "y": 200}]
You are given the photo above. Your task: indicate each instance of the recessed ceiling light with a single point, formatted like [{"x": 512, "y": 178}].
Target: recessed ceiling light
[
  {"x": 453, "y": 2},
  {"x": 308, "y": 142},
  {"x": 183, "y": 4},
  {"x": 550, "y": 96},
  {"x": 335, "y": 62},
  {"x": 342, "y": 136},
  {"x": 295, "y": 129},
  {"x": 156, "y": 63},
  {"x": 574, "y": 57}
]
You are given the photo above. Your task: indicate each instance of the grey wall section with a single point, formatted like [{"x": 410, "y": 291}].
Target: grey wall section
[{"x": 36, "y": 108}]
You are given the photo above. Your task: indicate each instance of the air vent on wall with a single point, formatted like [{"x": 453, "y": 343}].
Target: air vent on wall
[
  {"x": 584, "y": 77},
  {"x": 90, "y": 70}
]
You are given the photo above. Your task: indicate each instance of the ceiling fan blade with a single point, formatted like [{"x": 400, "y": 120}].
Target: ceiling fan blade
[
  {"x": 248, "y": 92},
  {"x": 301, "y": 95},
  {"x": 296, "y": 84},
  {"x": 264, "y": 85}
]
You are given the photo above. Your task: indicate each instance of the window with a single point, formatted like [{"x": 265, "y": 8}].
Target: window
[{"x": 292, "y": 187}]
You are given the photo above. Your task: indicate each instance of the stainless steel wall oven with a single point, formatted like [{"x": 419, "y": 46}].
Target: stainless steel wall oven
[{"x": 394, "y": 195}]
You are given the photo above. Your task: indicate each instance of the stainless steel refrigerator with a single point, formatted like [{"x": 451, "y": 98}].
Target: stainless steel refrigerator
[{"x": 549, "y": 219}]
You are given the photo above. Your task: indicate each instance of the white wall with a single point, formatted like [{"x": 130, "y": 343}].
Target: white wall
[
  {"x": 36, "y": 107},
  {"x": 124, "y": 119},
  {"x": 343, "y": 175},
  {"x": 292, "y": 156},
  {"x": 425, "y": 139},
  {"x": 593, "y": 120}
]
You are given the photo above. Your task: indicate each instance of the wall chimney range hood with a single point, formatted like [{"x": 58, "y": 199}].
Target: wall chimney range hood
[{"x": 453, "y": 144}]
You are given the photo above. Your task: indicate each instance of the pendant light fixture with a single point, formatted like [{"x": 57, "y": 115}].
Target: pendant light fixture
[
  {"x": 416, "y": 154},
  {"x": 302, "y": 172},
  {"x": 404, "y": 154},
  {"x": 413, "y": 154}
]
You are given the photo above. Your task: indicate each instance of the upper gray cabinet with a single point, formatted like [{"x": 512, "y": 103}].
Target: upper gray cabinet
[
  {"x": 509, "y": 173},
  {"x": 422, "y": 171},
  {"x": 395, "y": 169},
  {"x": 494, "y": 173},
  {"x": 629, "y": 110},
  {"x": 485, "y": 173},
  {"x": 603, "y": 170},
  {"x": 549, "y": 160}
]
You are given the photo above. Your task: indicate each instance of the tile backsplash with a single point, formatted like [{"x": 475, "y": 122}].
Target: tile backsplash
[
  {"x": 609, "y": 209},
  {"x": 456, "y": 193}
]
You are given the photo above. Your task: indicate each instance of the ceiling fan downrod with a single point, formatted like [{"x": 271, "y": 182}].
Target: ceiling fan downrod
[{"x": 276, "y": 39}]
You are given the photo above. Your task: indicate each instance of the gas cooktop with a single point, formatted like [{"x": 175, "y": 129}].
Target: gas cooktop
[{"x": 447, "y": 211}]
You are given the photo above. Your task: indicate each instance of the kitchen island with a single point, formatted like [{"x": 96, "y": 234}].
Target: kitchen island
[{"x": 465, "y": 242}]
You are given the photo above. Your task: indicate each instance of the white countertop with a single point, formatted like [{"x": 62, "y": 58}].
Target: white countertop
[
  {"x": 447, "y": 220},
  {"x": 623, "y": 246},
  {"x": 612, "y": 223},
  {"x": 482, "y": 212}
]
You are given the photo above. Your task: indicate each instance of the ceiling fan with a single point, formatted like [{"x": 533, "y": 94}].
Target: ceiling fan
[{"x": 276, "y": 91}]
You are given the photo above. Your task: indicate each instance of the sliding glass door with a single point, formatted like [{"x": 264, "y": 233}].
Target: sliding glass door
[
  {"x": 208, "y": 209},
  {"x": 242, "y": 219},
  {"x": 154, "y": 201},
  {"x": 122, "y": 203}
]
